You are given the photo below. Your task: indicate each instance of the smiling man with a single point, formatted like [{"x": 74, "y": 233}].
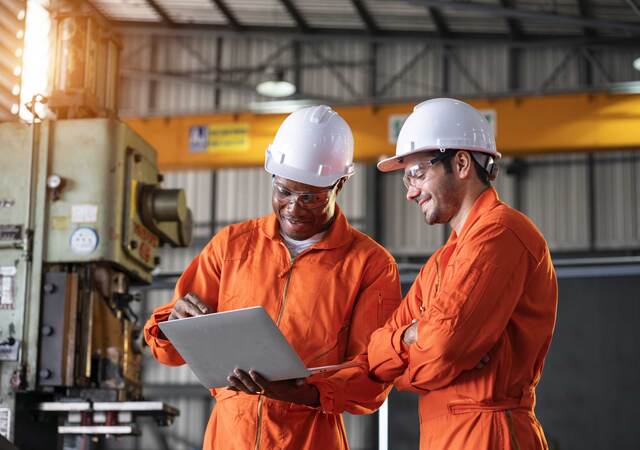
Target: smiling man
[
  {"x": 490, "y": 290},
  {"x": 326, "y": 285}
]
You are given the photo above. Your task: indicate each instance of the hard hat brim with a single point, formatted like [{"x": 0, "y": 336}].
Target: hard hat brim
[
  {"x": 391, "y": 164},
  {"x": 397, "y": 163}
]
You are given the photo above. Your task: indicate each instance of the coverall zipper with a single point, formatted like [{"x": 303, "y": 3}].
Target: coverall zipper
[{"x": 261, "y": 399}]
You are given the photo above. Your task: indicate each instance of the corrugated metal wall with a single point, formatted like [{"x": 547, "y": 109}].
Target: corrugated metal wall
[
  {"x": 152, "y": 85},
  {"x": 617, "y": 200},
  {"x": 553, "y": 190},
  {"x": 618, "y": 64},
  {"x": 336, "y": 83},
  {"x": 555, "y": 196},
  {"x": 540, "y": 68},
  {"x": 246, "y": 54},
  {"x": 475, "y": 71},
  {"x": 406, "y": 70}
]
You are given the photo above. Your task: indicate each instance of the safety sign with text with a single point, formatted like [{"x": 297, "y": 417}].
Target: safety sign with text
[{"x": 219, "y": 137}]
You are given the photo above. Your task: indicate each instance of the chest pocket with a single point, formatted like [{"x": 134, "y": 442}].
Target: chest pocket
[
  {"x": 237, "y": 280},
  {"x": 318, "y": 306},
  {"x": 455, "y": 297},
  {"x": 430, "y": 280}
]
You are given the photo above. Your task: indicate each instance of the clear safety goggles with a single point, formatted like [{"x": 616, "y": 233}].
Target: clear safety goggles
[
  {"x": 416, "y": 174},
  {"x": 308, "y": 200}
]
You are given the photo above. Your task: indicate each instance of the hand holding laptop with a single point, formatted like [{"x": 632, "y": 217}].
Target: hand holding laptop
[
  {"x": 295, "y": 391},
  {"x": 267, "y": 363},
  {"x": 189, "y": 306}
]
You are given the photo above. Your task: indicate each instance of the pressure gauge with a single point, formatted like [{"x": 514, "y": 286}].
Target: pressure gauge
[
  {"x": 84, "y": 241},
  {"x": 54, "y": 181}
]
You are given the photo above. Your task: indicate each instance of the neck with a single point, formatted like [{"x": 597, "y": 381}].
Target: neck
[{"x": 468, "y": 199}]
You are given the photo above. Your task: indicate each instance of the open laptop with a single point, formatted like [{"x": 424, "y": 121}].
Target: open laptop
[{"x": 213, "y": 345}]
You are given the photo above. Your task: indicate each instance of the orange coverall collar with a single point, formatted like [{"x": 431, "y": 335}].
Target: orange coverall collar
[{"x": 484, "y": 203}]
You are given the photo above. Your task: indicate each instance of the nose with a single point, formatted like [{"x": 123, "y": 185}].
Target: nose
[
  {"x": 293, "y": 204},
  {"x": 412, "y": 193}
]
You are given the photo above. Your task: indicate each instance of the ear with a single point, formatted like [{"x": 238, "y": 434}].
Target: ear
[{"x": 464, "y": 164}]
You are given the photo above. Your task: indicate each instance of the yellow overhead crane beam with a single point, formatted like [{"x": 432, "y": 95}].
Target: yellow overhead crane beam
[{"x": 524, "y": 125}]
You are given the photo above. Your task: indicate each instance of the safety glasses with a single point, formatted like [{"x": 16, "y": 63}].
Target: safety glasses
[
  {"x": 308, "y": 200},
  {"x": 416, "y": 174}
]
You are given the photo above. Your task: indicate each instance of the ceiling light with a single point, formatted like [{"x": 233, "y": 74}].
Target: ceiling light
[
  {"x": 626, "y": 87},
  {"x": 280, "y": 106},
  {"x": 636, "y": 64},
  {"x": 276, "y": 88},
  {"x": 35, "y": 68},
  {"x": 274, "y": 84}
]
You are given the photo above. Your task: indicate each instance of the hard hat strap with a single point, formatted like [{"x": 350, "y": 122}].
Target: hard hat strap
[{"x": 488, "y": 163}]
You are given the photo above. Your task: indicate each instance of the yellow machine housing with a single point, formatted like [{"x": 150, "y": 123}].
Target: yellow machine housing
[{"x": 111, "y": 188}]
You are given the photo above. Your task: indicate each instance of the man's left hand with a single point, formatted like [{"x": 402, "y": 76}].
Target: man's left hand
[
  {"x": 410, "y": 335},
  {"x": 295, "y": 391}
]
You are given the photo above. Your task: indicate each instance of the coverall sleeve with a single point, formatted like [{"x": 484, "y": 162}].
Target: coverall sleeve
[
  {"x": 352, "y": 389},
  {"x": 471, "y": 311},
  {"x": 388, "y": 357},
  {"x": 202, "y": 278}
]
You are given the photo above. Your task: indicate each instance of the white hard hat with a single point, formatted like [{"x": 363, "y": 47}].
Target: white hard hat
[
  {"x": 314, "y": 145},
  {"x": 441, "y": 124}
]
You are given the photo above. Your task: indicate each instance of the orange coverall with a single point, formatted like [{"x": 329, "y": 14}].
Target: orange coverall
[
  {"x": 327, "y": 304},
  {"x": 490, "y": 290}
]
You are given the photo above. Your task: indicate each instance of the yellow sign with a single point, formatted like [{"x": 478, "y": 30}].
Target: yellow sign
[
  {"x": 219, "y": 138},
  {"x": 59, "y": 222}
]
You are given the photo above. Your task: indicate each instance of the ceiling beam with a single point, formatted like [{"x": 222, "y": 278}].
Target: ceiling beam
[
  {"x": 585, "y": 11},
  {"x": 365, "y": 16},
  {"x": 234, "y": 23},
  {"x": 497, "y": 10},
  {"x": 351, "y": 64},
  {"x": 297, "y": 17},
  {"x": 166, "y": 18},
  {"x": 515, "y": 27},
  {"x": 439, "y": 21},
  {"x": 86, "y": 5},
  {"x": 389, "y": 36},
  {"x": 148, "y": 75},
  {"x": 636, "y": 8}
]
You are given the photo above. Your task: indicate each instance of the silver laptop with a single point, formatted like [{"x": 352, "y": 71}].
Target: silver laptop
[{"x": 213, "y": 345}]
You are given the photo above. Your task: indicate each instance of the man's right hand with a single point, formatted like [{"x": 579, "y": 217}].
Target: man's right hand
[{"x": 189, "y": 306}]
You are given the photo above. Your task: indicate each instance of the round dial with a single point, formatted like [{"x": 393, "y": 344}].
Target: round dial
[{"x": 84, "y": 241}]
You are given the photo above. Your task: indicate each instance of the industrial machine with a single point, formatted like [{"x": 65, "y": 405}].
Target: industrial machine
[{"x": 82, "y": 216}]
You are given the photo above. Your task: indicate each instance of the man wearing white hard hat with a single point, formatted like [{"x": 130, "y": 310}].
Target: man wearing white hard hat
[
  {"x": 326, "y": 285},
  {"x": 490, "y": 290}
]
